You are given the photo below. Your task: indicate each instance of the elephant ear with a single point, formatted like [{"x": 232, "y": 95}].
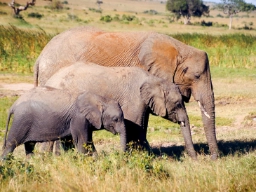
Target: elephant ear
[
  {"x": 159, "y": 56},
  {"x": 90, "y": 110},
  {"x": 94, "y": 116},
  {"x": 153, "y": 96}
]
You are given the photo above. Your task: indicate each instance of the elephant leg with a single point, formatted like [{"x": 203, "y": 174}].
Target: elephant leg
[
  {"x": 136, "y": 137},
  {"x": 143, "y": 134},
  {"x": 58, "y": 146},
  {"x": 67, "y": 143},
  {"x": 8, "y": 150},
  {"x": 83, "y": 141},
  {"x": 47, "y": 146},
  {"x": 29, "y": 148}
]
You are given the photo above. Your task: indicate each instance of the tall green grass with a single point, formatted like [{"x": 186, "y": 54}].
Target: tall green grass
[
  {"x": 225, "y": 51},
  {"x": 20, "y": 48},
  {"x": 5, "y": 103}
]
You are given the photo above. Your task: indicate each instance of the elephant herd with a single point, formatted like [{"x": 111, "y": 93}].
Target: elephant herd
[{"x": 87, "y": 79}]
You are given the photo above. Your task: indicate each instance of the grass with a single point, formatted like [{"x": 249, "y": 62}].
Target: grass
[
  {"x": 168, "y": 168},
  {"x": 129, "y": 172},
  {"x": 19, "y": 48}
]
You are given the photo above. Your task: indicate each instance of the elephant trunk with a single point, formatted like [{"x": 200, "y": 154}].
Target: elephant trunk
[
  {"x": 207, "y": 108},
  {"x": 185, "y": 129},
  {"x": 123, "y": 137}
]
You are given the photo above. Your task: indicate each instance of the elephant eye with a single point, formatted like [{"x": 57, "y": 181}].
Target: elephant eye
[
  {"x": 115, "y": 119},
  {"x": 197, "y": 76},
  {"x": 178, "y": 105},
  {"x": 185, "y": 70}
]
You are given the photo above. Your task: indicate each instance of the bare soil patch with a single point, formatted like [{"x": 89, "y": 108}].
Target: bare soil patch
[{"x": 14, "y": 89}]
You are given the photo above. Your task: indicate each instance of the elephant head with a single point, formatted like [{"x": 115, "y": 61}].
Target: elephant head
[
  {"x": 188, "y": 68},
  {"x": 164, "y": 99},
  {"x": 101, "y": 113}
]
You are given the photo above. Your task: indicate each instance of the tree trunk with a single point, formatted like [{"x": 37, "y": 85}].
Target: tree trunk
[
  {"x": 186, "y": 20},
  {"x": 230, "y": 21}
]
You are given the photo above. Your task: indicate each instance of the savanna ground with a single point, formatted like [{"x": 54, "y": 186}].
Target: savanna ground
[{"x": 232, "y": 55}]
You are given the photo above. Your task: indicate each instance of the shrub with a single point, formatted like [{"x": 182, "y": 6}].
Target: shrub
[
  {"x": 208, "y": 24},
  {"x": 116, "y": 17},
  {"x": 151, "y": 12},
  {"x": 35, "y": 15},
  {"x": 128, "y": 17},
  {"x": 3, "y": 13},
  {"x": 3, "y": 4},
  {"x": 57, "y": 5},
  {"x": 95, "y": 10},
  {"x": 106, "y": 18},
  {"x": 219, "y": 15}
]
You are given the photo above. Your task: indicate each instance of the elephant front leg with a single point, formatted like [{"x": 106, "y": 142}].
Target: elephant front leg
[
  {"x": 83, "y": 141},
  {"x": 143, "y": 133}
]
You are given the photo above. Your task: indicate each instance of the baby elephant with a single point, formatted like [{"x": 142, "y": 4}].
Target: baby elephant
[{"x": 48, "y": 114}]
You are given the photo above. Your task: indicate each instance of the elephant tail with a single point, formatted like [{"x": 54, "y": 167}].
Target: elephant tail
[
  {"x": 36, "y": 72},
  {"x": 7, "y": 125}
]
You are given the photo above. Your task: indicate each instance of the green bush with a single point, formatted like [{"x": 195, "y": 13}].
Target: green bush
[
  {"x": 35, "y": 15},
  {"x": 219, "y": 15},
  {"x": 106, "y": 18},
  {"x": 128, "y": 17},
  {"x": 95, "y": 10},
  {"x": 151, "y": 12},
  {"x": 20, "y": 48},
  {"x": 3, "y": 4},
  {"x": 3, "y": 13}
]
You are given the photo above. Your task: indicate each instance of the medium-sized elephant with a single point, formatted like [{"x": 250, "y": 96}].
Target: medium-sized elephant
[
  {"x": 138, "y": 92},
  {"x": 48, "y": 114}
]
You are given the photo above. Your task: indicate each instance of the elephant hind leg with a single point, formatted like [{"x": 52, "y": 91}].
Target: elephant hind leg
[
  {"x": 29, "y": 148},
  {"x": 8, "y": 150}
]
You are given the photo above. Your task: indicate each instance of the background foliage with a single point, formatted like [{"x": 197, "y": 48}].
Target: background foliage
[{"x": 168, "y": 168}]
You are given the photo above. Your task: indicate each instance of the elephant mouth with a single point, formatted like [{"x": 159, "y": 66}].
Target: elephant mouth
[
  {"x": 181, "y": 123},
  {"x": 112, "y": 130},
  {"x": 186, "y": 94},
  {"x": 172, "y": 117}
]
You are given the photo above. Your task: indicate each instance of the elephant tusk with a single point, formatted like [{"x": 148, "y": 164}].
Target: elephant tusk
[
  {"x": 203, "y": 110},
  {"x": 182, "y": 124}
]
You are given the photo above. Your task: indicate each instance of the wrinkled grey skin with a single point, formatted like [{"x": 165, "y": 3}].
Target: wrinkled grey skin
[
  {"x": 138, "y": 93},
  {"x": 160, "y": 55},
  {"x": 47, "y": 114}
]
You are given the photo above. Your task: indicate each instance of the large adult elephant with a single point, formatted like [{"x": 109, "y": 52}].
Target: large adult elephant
[{"x": 161, "y": 55}]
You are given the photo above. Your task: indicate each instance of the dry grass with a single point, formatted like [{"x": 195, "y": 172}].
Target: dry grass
[
  {"x": 57, "y": 21},
  {"x": 169, "y": 169}
]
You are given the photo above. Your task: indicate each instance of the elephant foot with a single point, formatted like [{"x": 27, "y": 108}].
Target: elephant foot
[{"x": 214, "y": 157}]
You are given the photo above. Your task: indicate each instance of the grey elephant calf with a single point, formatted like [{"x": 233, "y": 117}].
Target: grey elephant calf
[
  {"x": 138, "y": 92},
  {"x": 47, "y": 114}
]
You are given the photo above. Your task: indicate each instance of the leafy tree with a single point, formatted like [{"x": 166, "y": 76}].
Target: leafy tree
[
  {"x": 187, "y": 8},
  {"x": 232, "y": 7}
]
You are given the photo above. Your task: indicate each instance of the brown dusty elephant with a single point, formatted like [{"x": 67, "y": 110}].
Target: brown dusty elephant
[
  {"x": 47, "y": 114},
  {"x": 161, "y": 55},
  {"x": 138, "y": 92}
]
